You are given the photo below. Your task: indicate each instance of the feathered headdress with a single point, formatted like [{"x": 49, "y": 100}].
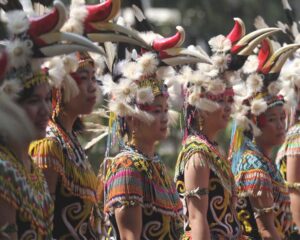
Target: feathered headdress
[
  {"x": 31, "y": 39},
  {"x": 203, "y": 86},
  {"x": 261, "y": 90}
]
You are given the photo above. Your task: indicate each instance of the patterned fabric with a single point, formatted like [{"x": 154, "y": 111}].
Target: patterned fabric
[
  {"x": 256, "y": 174},
  {"x": 290, "y": 147},
  {"x": 221, "y": 215},
  {"x": 28, "y": 193},
  {"x": 132, "y": 179},
  {"x": 76, "y": 189}
]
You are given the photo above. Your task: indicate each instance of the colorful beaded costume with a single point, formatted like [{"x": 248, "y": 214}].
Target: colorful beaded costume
[
  {"x": 28, "y": 193},
  {"x": 256, "y": 174},
  {"x": 221, "y": 215},
  {"x": 133, "y": 179},
  {"x": 75, "y": 194},
  {"x": 290, "y": 147}
]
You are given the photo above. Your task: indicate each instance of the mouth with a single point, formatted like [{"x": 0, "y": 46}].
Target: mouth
[
  {"x": 92, "y": 99},
  {"x": 42, "y": 124},
  {"x": 163, "y": 129},
  {"x": 279, "y": 135}
]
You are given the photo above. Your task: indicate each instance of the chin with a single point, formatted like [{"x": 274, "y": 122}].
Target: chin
[
  {"x": 40, "y": 134},
  {"x": 87, "y": 110}
]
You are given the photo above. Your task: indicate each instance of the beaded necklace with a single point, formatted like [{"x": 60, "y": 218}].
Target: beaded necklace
[
  {"x": 133, "y": 150},
  {"x": 69, "y": 142}
]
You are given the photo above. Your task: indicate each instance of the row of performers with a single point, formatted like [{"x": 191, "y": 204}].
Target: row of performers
[{"x": 53, "y": 193}]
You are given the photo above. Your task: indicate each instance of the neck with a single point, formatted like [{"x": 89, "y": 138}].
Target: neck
[
  {"x": 265, "y": 149},
  {"x": 211, "y": 135},
  {"x": 146, "y": 148},
  {"x": 67, "y": 121}
]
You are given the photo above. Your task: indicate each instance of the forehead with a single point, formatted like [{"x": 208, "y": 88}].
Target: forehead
[
  {"x": 42, "y": 88},
  {"x": 160, "y": 100},
  {"x": 86, "y": 69},
  {"x": 276, "y": 110}
]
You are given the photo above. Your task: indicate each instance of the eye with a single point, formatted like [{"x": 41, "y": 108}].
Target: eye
[{"x": 33, "y": 100}]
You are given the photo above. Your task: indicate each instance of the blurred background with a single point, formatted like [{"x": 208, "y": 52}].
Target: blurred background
[{"x": 201, "y": 19}]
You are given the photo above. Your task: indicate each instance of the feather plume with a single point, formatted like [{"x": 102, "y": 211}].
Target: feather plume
[
  {"x": 138, "y": 13},
  {"x": 219, "y": 44},
  {"x": 254, "y": 83},
  {"x": 111, "y": 51},
  {"x": 260, "y": 23},
  {"x": 11, "y": 87},
  {"x": 108, "y": 85},
  {"x": 132, "y": 70},
  {"x": 125, "y": 91},
  {"x": 258, "y": 106},
  {"x": 216, "y": 86},
  {"x": 145, "y": 95},
  {"x": 17, "y": 22},
  {"x": 148, "y": 63},
  {"x": 19, "y": 52},
  {"x": 173, "y": 117}
]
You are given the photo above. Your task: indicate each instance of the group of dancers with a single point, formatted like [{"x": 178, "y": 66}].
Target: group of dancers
[{"x": 54, "y": 67}]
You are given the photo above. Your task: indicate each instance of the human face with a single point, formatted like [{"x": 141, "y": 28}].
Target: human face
[
  {"x": 272, "y": 126},
  {"x": 38, "y": 108},
  {"x": 157, "y": 129},
  {"x": 218, "y": 120},
  {"x": 84, "y": 102}
]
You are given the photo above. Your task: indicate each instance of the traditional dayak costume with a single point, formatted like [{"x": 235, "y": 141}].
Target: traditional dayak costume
[
  {"x": 131, "y": 178},
  {"x": 25, "y": 190},
  {"x": 254, "y": 172},
  {"x": 202, "y": 90}
]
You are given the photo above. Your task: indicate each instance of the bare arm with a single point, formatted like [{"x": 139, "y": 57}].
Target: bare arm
[
  {"x": 265, "y": 220},
  {"x": 293, "y": 167},
  {"x": 129, "y": 221},
  {"x": 196, "y": 176},
  {"x": 51, "y": 178},
  {"x": 8, "y": 217}
]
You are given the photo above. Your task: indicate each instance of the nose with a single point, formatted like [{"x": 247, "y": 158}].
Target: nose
[
  {"x": 165, "y": 118},
  {"x": 92, "y": 87},
  {"x": 45, "y": 108},
  {"x": 227, "y": 107},
  {"x": 281, "y": 124}
]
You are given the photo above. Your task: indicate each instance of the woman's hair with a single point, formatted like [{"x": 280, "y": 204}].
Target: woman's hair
[
  {"x": 78, "y": 126},
  {"x": 25, "y": 93},
  {"x": 190, "y": 120}
]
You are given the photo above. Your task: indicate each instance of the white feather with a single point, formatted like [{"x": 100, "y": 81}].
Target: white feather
[
  {"x": 260, "y": 23},
  {"x": 17, "y": 22},
  {"x": 148, "y": 63},
  {"x": 144, "y": 95},
  {"x": 19, "y": 52},
  {"x": 258, "y": 106},
  {"x": 138, "y": 13},
  {"x": 219, "y": 44}
]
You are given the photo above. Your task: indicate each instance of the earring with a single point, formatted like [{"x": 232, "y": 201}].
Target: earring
[
  {"x": 133, "y": 138},
  {"x": 201, "y": 123}
]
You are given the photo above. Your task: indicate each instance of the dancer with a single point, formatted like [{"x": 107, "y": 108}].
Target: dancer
[
  {"x": 203, "y": 176},
  {"x": 25, "y": 202},
  {"x": 263, "y": 204}
]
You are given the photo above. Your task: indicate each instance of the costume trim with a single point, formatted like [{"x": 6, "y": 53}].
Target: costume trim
[
  {"x": 57, "y": 152},
  {"x": 262, "y": 211},
  {"x": 213, "y": 159},
  {"x": 132, "y": 179}
]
